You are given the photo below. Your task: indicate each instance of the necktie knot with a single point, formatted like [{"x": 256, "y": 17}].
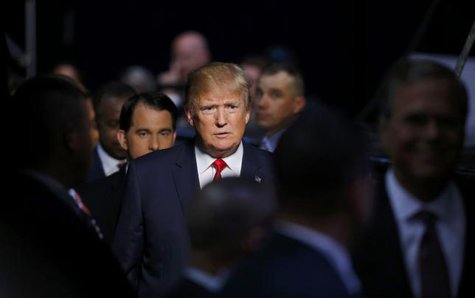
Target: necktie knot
[
  {"x": 121, "y": 164},
  {"x": 426, "y": 217},
  {"x": 219, "y": 165}
]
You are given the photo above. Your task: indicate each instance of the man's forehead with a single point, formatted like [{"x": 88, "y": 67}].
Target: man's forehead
[{"x": 218, "y": 98}]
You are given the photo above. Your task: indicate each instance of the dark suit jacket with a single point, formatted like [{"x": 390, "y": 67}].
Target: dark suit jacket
[
  {"x": 286, "y": 268},
  {"x": 103, "y": 197},
  {"x": 48, "y": 250},
  {"x": 379, "y": 260},
  {"x": 96, "y": 171},
  {"x": 186, "y": 288},
  {"x": 151, "y": 238}
]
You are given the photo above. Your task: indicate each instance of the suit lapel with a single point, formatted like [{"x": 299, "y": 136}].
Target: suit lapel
[
  {"x": 466, "y": 287},
  {"x": 250, "y": 166},
  {"x": 389, "y": 253},
  {"x": 185, "y": 173}
]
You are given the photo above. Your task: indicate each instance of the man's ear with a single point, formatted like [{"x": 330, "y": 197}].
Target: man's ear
[
  {"x": 248, "y": 115},
  {"x": 383, "y": 127},
  {"x": 299, "y": 103},
  {"x": 72, "y": 139},
  {"x": 361, "y": 198},
  {"x": 189, "y": 117},
  {"x": 122, "y": 138},
  {"x": 254, "y": 239}
]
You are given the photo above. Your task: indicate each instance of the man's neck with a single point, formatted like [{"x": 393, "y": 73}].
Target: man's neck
[
  {"x": 335, "y": 226},
  {"x": 425, "y": 190}
]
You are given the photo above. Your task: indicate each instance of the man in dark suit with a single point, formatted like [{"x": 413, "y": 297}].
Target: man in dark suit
[
  {"x": 324, "y": 197},
  {"x": 227, "y": 220},
  {"x": 151, "y": 238},
  {"x": 419, "y": 242},
  {"x": 108, "y": 154},
  {"x": 48, "y": 242},
  {"x": 147, "y": 124}
]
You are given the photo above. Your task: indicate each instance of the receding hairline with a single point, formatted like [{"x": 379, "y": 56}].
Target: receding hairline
[{"x": 407, "y": 72}]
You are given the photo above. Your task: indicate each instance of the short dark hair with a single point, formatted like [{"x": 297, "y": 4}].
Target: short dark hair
[
  {"x": 408, "y": 71},
  {"x": 291, "y": 70},
  {"x": 112, "y": 89},
  {"x": 221, "y": 214},
  {"x": 317, "y": 159},
  {"x": 156, "y": 100},
  {"x": 49, "y": 105}
]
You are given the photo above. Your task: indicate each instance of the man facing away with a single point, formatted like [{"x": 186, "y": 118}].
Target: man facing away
[
  {"x": 324, "y": 198},
  {"x": 151, "y": 238},
  {"x": 228, "y": 220},
  {"x": 49, "y": 246}
]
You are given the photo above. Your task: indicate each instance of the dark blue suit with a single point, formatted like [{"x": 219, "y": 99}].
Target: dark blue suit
[
  {"x": 47, "y": 248},
  {"x": 96, "y": 170},
  {"x": 151, "y": 238},
  {"x": 187, "y": 288},
  {"x": 286, "y": 268},
  {"x": 103, "y": 197}
]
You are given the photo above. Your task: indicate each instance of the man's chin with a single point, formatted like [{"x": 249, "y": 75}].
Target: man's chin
[
  {"x": 431, "y": 173},
  {"x": 223, "y": 150}
]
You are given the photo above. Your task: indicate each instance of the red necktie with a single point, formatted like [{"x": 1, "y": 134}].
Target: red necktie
[{"x": 219, "y": 165}]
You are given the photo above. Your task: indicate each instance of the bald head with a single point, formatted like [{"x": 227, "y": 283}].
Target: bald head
[{"x": 189, "y": 52}]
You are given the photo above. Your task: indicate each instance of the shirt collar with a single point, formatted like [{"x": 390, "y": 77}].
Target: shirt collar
[
  {"x": 52, "y": 184},
  {"x": 212, "y": 283},
  {"x": 406, "y": 205},
  {"x": 109, "y": 164},
  {"x": 270, "y": 143},
  {"x": 233, "y": 161}
]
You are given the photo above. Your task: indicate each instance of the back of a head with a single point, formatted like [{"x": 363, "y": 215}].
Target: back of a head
[
  {"x": 139, "y": 78},
  {"x": 190, "y": 50},
  {"x": 115, "y": 89},
  {"x": 409, "y": 71},
  {"x": 49, "y": 106},
  {"x": 223, "y": 212},
  {"x": 216, "y": 76},
  {"x": 316, "y": 161}
]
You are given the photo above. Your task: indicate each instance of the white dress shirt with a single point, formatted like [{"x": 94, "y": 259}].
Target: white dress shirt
[
  {"x": 109, "y": 164},
  {"x": 336, "y": 254},
  {"x": 206, "y": 171},
  {"x": 450, "y": 226}
]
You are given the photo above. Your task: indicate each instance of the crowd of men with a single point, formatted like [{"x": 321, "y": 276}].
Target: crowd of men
[{"x": 146, "y": 212}]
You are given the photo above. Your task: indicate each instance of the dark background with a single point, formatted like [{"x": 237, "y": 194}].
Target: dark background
[{"x": 342, "y": 47}]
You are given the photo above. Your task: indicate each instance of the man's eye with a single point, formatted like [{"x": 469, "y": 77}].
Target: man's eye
[
  {"x": 416, "y": 120},
  {"x": 207, "y": 110},
  {"x": 233, "y": 108}
]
